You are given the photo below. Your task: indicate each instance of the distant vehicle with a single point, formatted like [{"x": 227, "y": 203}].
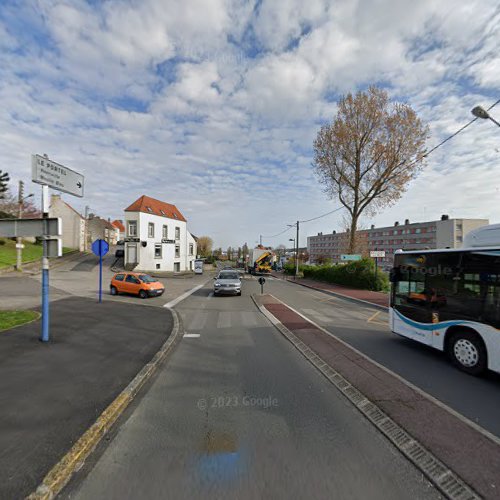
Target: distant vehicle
[
  {"x": 119, "y": 253},
  {"x": 261, "y": 260},
  {"x": 227, "y": 268},
  {"x": 198, "y": 266},
  {"x": 120, "y": 242},
  {"x": 450, "y": 299},
  {"x": 227, "y": 282},
  {"x": 139, "y": 284}
]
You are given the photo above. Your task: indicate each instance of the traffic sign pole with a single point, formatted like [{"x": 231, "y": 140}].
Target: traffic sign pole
[
  {"x": 45, "y": 266},
  {"x": 100, "y": 271}
]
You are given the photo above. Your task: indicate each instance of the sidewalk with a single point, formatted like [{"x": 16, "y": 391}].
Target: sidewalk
[
  {"x": 469, "y": 453},
  {"x": 378, "y": 299},
  {"x": 51, "y": 393}
]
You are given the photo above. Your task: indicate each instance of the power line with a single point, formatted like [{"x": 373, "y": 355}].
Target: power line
[
  {"x": 320, "y": 216},
  {"x": 457, "y": 132},
  {"x": 279, "y": 234}
]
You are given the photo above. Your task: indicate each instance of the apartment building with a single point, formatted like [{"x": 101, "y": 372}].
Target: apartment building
[
  {"x": 157, "y": 238},
  {"x": 443, "y": 233}
]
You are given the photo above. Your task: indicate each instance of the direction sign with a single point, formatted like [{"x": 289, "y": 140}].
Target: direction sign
[
  {"x": 379, "y": 254},
  {"x": 12, "y": 228},
  {"x": 57, "y": 176},
  {"x": 350, "y": 257},
  {"x": 100, "y": 248}
]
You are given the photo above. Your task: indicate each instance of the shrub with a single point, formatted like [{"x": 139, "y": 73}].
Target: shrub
[
  {"x": 357, "y": 274},
  {"x": 2, "y": 241}
]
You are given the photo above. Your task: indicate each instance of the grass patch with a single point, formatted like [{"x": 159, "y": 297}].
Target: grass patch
[
  {"x": 10, "y": 319},
  {"x": 31, "y": 252}
]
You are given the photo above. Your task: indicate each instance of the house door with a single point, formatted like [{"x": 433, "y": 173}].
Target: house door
[
  {"x": 177, "y": 267},
  {"x": 132, "y": 254}
]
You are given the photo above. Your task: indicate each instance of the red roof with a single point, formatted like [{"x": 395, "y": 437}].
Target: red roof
[
  {"x": 118, "y": 224},
  {"x": 149, "y": 205}
]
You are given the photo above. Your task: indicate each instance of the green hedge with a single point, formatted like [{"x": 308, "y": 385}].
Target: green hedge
[{"x": 358, "y": 274}]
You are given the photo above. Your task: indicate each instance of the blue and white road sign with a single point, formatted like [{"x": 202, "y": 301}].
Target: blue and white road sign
[{"x": 100, "y": 248}]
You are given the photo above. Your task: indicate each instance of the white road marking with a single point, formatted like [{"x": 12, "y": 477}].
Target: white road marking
[
  {"x": 210, "y": 295},
  {"x": 224, "y": 319},
  {"x": 199, "y": 320},
  {"x": 174, "y": 302},
  {"x": 191, "y": 335}
]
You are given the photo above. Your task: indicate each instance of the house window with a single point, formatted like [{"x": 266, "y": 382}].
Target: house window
[
  {"x": 177, "y": 233},
  {"x": 158, "y": 251},
  {"x": 151, "y": 230},
  {"x": 164, "y": 233},
  {"x": 191, "y": 249},
  {"x": 177, "y": 251},
  {"x": 132, "y": 228}
]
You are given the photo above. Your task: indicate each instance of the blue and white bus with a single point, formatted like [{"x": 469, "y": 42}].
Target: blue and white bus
[{"x": 450, "y": 299}]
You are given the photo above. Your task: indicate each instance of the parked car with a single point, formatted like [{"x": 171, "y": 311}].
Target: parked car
[
  {"x": 227, "y": 282},
  {"x": 120, "y": 242},
  {"x": 139, "y": 284},
  {"x": 120, "y": 253}
]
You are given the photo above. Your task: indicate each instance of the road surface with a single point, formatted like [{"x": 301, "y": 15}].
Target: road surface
[{"x": 237, "y": 412}]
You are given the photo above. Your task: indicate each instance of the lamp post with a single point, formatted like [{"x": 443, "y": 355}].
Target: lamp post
[{"x": 480, "y": 112}]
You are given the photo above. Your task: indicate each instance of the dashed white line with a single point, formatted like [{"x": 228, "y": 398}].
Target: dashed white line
[
  {"x": 174, "y": 302},
  {"x": 191, "y": 335}
]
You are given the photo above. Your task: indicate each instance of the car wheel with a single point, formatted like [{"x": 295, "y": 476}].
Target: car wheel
[
  {"x": 113, "y": 290},
  {"x": 143, "y": 294},
  {"x": 239, "y": 294},
  {"x": 467, "y": 351}
]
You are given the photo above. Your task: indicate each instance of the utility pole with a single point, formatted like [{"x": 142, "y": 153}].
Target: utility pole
[
  {"x": 260, "y": 239},
  {"x": 297, "y": 253},
  {"x": 19, "y": 248}
]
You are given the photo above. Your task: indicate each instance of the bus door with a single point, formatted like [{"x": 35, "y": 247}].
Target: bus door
[{"x": 412, "y": 303}]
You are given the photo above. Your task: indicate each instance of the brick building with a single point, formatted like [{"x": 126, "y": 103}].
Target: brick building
[{"x": 443, "y": 233}]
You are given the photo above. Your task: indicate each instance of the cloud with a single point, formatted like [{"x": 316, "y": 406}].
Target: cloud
[{"x": 214, "y": 105}]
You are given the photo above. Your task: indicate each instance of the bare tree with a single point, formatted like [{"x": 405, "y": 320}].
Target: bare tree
[
  {"x": 370, "y": 152},
  {"x": 205, "y": 244},
  {"x": 9, "y": 204},
  {"x": 4, "y": 180}
]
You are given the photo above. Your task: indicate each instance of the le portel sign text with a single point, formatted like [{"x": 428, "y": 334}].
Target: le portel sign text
[{"x": 56, "y": 176}]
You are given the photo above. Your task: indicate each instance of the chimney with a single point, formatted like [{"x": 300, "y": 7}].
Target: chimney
[
  {"x": 396, "y": 223},
  {"x": 445, "y": 217},
  {"x": 372, "y": 226},
  {"x": 334, "y": 232}
]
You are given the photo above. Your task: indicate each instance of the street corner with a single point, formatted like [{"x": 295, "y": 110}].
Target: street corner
[{"x": 53, "y": 391}]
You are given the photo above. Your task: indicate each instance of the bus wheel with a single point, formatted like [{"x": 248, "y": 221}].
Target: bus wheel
[{"x": 468, "y": 353}]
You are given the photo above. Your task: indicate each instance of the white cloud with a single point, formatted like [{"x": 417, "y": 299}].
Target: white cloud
[{"x": 210, "y": 104}]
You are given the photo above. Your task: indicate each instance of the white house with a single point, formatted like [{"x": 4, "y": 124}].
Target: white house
[
  {"x": 73, "y": 223},
  {"x": 119, "y": 228},
  {"x": 156, "y": 237}
]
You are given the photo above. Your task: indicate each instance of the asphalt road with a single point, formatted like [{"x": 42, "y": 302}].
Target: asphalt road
[
  {"x": 237, "y": 412},
  {"x": 367, "y": 330}
]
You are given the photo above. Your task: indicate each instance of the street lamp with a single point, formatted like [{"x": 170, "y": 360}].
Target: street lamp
[{"x": 480, "y": 112}]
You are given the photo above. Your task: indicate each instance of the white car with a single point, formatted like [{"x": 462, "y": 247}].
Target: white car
[{"x": 227, "y": 282}]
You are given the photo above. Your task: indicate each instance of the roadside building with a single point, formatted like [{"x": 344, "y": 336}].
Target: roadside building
[
  {"x": 119, "y": 228},
  {"x": 157, "y": 237},
  {"x": 73, "y": 223},
  {"x": 443, "y": 233},
  {"x": 99, "y": 228}
]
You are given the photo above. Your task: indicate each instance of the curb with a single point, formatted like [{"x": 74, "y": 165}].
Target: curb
[
  {"x": 61, "y": 473},
  {"x": 342, "y": 296},
  {"x": 445, "y": 480}
]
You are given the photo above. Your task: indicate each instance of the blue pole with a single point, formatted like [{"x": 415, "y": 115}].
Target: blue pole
[
  {"x": 100, "y": 271},
  {"x": 45, "y": 305}
]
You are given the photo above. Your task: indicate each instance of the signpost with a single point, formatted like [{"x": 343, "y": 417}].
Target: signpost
[
  {"x": 100, "y": 248},
  {"x": 57, "y": 176},
  {"x": 262, "y": 280},
  {"x": 346, "y": 257},
  {"x": 376, "y": 254},
  {"x": 48, "y": 173}
]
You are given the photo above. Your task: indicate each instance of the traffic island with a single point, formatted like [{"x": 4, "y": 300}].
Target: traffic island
[
  {"x": 460, "y": 458},
  {"x": 52, "y": 393}
]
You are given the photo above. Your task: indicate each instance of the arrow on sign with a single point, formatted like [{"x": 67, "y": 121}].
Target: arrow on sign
[{"x": 79, "y": 184}]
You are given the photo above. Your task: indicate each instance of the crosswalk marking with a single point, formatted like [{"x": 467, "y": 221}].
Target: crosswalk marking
[{"x": 224, "y": 320}]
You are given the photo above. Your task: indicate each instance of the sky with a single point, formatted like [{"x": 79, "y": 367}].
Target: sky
[{"x": 213, "y": 105}]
